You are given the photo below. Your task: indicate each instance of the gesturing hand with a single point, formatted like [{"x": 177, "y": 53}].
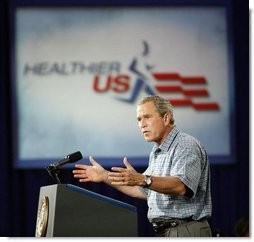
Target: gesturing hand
[
  {"x": 90, "y": 173},
  {"x": 125, "y": 176}
]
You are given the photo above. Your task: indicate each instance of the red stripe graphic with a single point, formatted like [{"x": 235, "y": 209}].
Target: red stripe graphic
[
  {"x": 189, "y": 92},
  {"x": 206, "y": 106},
  {"x": 197, "y": 106},
  {"x": 181, "y": 102},
  {"x": 189, "y": 80},
  {"x": 176, "y": 76}
]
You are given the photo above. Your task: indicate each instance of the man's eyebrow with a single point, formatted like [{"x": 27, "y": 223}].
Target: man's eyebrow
[{"x": 144, "y": 116}]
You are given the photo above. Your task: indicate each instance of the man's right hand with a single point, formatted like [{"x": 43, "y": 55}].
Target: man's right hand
[{"x": 90, "y": 173}]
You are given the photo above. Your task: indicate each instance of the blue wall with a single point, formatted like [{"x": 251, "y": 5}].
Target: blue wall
[{"x": 19, "y": 189}]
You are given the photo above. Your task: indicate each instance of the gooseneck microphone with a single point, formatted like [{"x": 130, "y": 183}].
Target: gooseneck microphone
[
  {"x": 68, "y": 159},
  {"x": 53, "y": 169}
]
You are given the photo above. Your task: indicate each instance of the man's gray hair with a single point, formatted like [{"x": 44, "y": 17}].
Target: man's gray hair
[{"x": 162, "y": 105}]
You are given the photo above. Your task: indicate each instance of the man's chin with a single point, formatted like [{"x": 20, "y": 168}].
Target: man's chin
[{"x": 148, "y": 139}]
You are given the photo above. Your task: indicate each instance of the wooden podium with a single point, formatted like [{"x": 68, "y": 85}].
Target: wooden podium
[{"x": 65, "y": 210}]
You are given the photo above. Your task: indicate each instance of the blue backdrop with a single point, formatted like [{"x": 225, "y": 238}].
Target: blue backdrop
[{"x": 19, "y": 188}]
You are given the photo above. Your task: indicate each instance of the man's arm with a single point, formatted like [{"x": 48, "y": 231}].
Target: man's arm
[
  {"x": 129, "y": 177},
  {"x": 168, "y": 185},
  {"x": 96, "y": 173}
]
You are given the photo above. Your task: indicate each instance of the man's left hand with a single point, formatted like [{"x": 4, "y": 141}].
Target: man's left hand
[{"x": 125, "y": 176}]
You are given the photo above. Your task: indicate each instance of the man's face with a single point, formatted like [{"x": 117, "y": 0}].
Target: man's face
[{"x": 152, "y": 125}]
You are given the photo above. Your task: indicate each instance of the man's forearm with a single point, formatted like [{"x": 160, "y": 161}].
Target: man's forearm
[
  {"x": 132, "y": 191},
  {"x": 167, "y": 185}
]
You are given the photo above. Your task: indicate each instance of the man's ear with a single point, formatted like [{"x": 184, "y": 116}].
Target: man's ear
[{"x": 167, "y": 118}]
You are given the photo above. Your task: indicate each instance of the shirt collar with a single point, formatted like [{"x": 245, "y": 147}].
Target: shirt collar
[{"x": 167, "y": 142}]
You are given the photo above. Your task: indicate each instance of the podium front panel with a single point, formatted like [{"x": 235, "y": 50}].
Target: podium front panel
[{"x": 78, "y": 212}]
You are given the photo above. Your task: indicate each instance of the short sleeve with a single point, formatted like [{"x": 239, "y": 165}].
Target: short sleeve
[{"x": 187, "y": 164}]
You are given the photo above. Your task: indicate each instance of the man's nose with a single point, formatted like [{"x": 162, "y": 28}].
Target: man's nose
[{"x": 142, "y": 123}]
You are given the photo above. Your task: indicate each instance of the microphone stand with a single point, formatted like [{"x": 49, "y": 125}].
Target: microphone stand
[
  {"x": 53, "y": 169},
  {"x": 53, "y": 172}
]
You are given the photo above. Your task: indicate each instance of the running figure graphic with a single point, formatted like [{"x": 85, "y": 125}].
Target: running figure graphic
[{"x": 144, "y": 78}]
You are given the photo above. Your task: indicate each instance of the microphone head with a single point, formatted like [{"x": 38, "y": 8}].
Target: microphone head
[{"x": 74, "y": 157}]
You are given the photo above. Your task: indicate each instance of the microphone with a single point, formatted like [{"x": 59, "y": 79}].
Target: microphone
[{"x": 68, "y": 159}]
